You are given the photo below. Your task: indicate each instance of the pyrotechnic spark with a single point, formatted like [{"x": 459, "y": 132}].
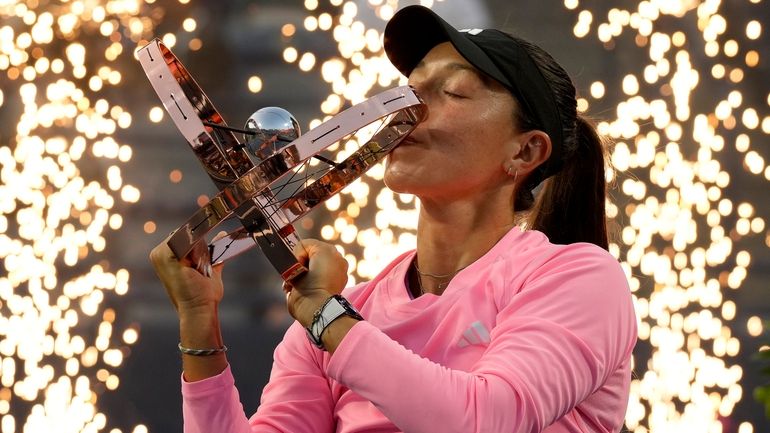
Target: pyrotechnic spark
[
  {"x": 681, "y": 226},
  {"x": 682, "y": 229},
  {"x": 62, "y": 190}
]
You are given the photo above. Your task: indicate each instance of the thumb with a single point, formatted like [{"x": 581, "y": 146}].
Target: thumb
[
  {"x": 305, "y": 249},
  {"x": 217, "y": 269}
]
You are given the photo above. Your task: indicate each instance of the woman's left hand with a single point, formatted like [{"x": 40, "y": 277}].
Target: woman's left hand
[{"x": 327, "y": 275}]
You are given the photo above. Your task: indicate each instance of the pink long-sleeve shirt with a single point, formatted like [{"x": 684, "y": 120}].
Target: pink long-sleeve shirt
[{"x": 532, "y": 337}]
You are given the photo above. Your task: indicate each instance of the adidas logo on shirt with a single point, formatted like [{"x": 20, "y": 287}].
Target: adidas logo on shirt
[{"x": 477, "y": 333}]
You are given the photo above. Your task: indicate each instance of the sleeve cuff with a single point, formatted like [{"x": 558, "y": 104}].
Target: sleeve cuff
[
  {"x": 211, "y": 385},
  {"x": 347, "y": 348}
]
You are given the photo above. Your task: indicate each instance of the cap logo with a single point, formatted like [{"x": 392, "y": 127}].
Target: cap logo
[{"x": 474, "y": 32}]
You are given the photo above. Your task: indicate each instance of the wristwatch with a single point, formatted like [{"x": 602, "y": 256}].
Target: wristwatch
[{"x": 334, "y": 307}]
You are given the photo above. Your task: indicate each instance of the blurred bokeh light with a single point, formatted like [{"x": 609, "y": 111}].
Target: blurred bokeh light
[{"x": 687, "y": 110}]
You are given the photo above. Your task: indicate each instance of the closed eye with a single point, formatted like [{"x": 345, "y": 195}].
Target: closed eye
[{"x": 454, "y": 95}]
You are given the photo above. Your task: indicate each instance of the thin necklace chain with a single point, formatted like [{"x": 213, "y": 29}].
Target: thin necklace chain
[
  {"x": 441, "y": 286},
  {"x": 449, "y": 276}
]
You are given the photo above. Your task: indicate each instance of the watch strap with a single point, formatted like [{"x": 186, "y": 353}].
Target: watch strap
[{"x": 334, "y": 307}]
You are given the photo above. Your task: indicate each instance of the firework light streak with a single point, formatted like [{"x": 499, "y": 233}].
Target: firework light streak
[
  {"x": 682, "y": 243},
  {"x": 61, "y": 191},
  {"x": 682, "y": 232}
]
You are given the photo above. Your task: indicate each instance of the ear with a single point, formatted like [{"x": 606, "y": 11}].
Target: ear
[{"x": 534, "y": 150}]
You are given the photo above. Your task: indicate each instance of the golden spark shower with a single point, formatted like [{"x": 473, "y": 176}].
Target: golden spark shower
[
  {"x": 62, "y": 193},
  {"x": 681, "y": 238},
  {"x": 686, "y": 244}
]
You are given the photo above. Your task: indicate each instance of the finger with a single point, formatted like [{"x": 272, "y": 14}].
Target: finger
[
  {"x": 205, "y": 270},
  {"x": 162, "y": 257},
  {"x": 217, "y": 268},
  {"x": 302, "y": 252},
  {"x": 312, "y": 247},
  {"x": 221, "y": 235}
]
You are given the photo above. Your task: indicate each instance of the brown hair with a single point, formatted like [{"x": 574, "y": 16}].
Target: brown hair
[{"x": 571, "y": 205}]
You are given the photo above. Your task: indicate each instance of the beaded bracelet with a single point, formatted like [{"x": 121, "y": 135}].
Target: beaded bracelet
[{"x": 201, "y": 352}]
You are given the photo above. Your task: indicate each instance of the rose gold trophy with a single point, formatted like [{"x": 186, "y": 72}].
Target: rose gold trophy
[{"x": 274, "y": 178}]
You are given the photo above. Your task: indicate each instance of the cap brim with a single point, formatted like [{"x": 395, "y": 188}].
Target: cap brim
[{"x": 415, "y": 30}]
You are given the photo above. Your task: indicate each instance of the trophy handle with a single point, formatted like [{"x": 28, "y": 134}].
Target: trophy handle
[{"x": 269, "y": 196}]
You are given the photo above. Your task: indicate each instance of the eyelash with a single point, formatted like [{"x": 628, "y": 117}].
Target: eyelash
[{"x": 453, "y": 95}]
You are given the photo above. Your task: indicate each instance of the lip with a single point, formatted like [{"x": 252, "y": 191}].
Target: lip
[{"x": 411, "y": 140}]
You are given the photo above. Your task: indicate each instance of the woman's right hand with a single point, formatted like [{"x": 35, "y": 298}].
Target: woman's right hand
[
  {"x": 195, "y": 297},
  {"x": 189, "y": 290}
]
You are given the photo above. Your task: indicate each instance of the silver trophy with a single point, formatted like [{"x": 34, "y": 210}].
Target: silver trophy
[{"x": 274, "y": 176}]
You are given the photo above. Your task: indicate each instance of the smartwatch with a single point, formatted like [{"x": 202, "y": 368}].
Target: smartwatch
[{"x": 334, "y": 307}]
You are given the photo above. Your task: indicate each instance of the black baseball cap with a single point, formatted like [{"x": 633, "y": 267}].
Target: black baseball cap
[{"x": 415, "y": 30}]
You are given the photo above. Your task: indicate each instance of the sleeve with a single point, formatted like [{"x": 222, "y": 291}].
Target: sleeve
[
  {"x": 556, "y": 341},
  {"x": 297, "y": 398},
  {"x": 213, "y": 404}
]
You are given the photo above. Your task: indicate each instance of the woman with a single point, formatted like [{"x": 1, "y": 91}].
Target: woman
[{"x": 485, "y": 327}]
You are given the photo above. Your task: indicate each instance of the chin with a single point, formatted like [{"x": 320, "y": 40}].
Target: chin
[
  {"x": 395, "y": 182},
  {"x": 405, "y": 174},
  {"x": 398, "y": 179}
]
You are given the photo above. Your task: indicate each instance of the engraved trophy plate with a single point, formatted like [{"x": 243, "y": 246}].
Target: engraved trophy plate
[{"x": 283, "y": 181}]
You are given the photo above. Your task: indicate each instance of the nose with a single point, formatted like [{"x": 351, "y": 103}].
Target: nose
[
  {"x": 424, "y": 101},
  {"x": 420, "y": 82}
]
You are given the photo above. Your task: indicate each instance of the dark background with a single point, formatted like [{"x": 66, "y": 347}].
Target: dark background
[{"x": 243, "y": 38}]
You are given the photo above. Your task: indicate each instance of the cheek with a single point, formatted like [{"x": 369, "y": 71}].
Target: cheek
[
  {"x": 475, "y": 123},
  {"x": 489, "y": 136}
]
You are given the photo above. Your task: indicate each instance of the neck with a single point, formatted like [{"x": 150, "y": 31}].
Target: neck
[{"x": 454, "y": 234}]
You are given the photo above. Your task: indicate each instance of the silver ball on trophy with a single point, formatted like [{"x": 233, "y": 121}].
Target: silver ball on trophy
[{"x": 273, "y": 129}]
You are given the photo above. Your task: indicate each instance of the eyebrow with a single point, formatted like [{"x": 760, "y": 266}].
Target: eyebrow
[{"x": 457, "y": 66}]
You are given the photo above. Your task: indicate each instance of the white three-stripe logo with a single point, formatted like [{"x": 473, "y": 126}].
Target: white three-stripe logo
[
  {"x": 477, "y": 333},
  {"x": 474, "y": 32}
]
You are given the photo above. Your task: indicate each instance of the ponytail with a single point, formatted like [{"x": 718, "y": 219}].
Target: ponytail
[{"x": 571, "y": 206}]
